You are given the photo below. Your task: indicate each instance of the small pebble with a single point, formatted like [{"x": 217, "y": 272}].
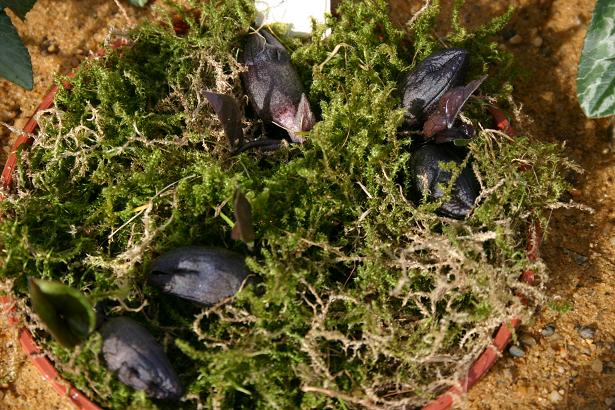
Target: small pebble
[
  {"x": 537, "y": 41},
  {"x": 548, "y": 96},
  {"x": 516, "y": 39},
  {"x": 7, "y": 115},
  {"x": 575, "y": 193},
  {"x": 555, "y": 396},
  {"x": 556, "y": 341},
  {"x": 561, "y": 370},
  {"x": 528, "y": 340},
  {"x": 52, "y": 49},
  {"x": 548, "y": 330},
  {"x": 597, "y": 366},
  {"x": 579, "y": 259},
  {"x": 586, "y": 332},
  {"x": 609, "y": 401},
  {"x": 516, "y": 351}
]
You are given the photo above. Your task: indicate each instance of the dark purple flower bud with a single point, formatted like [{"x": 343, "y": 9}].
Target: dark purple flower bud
[
  {"x": 273, "y": 85},
  {"x": 449, "y": 106},
  {"x": 427, "y": 173},
  {"x": 427, "y": 83},
  {"x": 138, "y": 359},
  {"x": 201, "y": 274}
]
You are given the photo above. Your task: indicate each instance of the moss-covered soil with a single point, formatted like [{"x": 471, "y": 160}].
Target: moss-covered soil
[{"x": 362, "y": 297}]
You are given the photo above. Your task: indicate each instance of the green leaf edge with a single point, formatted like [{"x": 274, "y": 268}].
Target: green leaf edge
[
  {"x": 595, "y": 107},
  {"x": 19, "y": 73},
  {"x": 39, "y": 288}
]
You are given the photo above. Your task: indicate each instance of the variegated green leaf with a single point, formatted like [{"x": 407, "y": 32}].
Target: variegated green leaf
[
  {"x": 596, "y": 75},
  {"x": 69, "y": 317},
  {"x": 15, "y": 64}
]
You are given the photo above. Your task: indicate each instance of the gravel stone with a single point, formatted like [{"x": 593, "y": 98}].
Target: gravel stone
[
  {"x": 6, "y": 116},
  {"x": 528, "y": 340},
  {"x": 586, "y": 332},
  {"x": 516, "y": 351},
  {"x": 579, "y": 259},
  {"x": 597, "y": 366},
  {"x": 516, "y": 39},
  {"x": 548, "y": 330},
  {"x": 555, "y": 396},
  {"x": 537, "y": 41}
]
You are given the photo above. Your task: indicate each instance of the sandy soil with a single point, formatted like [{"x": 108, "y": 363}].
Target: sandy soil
[{"x": 572, "y": 369}]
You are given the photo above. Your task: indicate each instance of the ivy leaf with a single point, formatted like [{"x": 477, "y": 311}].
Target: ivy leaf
[
  {"x": 15, "y": 63},
  {"x": 19, "y": 7},
  {"x": 596, "y": 75},
  {"x": 69, "y": 317},
  {"x": 138, "y": 3}
]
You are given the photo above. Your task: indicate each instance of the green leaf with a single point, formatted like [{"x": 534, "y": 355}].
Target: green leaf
[
  {"x": 596, "y": 75},
  {"x": 15, "y": 63},
  {"x": 138, "y": 3},
  {"x": 69, "y": 317},
  {"x": 19, "y": 7}
]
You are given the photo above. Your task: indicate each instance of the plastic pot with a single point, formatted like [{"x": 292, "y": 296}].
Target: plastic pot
[{"x": 445, "y": 401}]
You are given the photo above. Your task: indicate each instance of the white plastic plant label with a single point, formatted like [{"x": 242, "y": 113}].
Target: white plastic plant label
[{"x": 297, "y": 14}]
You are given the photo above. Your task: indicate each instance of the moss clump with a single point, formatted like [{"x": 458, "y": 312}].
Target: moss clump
[{"x": 363, "y": 298}]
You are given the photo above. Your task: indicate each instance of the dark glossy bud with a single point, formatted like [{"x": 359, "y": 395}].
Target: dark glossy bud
[
  {"x": 138, "y": 359},
  {"x": 273, "y": 85},
  {"x": 201, "y": 274},
  {"x": 423, "y": 86},
  {"x": 427, "y": 173},
  {"x": 449, "y": 106}
]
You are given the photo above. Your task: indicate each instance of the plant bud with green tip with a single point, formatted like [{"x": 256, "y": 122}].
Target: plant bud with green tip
[
  {"x": 68, "y": 315},
  {"x": 137, "y": 358}
]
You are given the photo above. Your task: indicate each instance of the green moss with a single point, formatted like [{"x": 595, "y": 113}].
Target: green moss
[{"x": 363, "y": 297}]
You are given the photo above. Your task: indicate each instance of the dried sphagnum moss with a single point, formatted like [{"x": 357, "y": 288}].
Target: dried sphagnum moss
[{"x": 362, "y": 298}]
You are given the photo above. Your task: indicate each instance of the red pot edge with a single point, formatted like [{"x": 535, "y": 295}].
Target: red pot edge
[
  {"x": 445, "y": 401},
  {"x": 42, "y": 362}
]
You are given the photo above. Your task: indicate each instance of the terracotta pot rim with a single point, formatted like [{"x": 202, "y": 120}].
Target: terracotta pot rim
[{"x": 479, "y": 368}]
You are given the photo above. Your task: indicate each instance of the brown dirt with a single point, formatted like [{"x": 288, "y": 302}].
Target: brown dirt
[{"x": 563, "y": 371}]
